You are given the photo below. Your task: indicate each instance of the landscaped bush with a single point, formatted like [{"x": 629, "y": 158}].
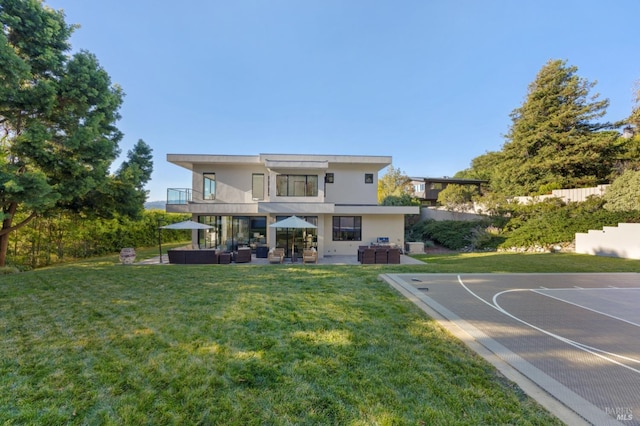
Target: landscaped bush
[
  {"x": 544, "y": 224},
  {"x": 456, "y": 235},
  {"x": 6, "y": 270},
  {"x": 53, "y": 239},
  {"x": 550, "y": 223}
]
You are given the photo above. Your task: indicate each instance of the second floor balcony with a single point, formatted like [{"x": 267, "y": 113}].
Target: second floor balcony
[{"x": 179, "y": 196}]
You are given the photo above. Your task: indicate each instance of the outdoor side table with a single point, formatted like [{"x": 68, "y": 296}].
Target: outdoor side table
[{"x": 224, "y": 258}]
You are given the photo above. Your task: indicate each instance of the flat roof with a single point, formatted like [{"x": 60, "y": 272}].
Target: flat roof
[
  {"x": 188, "y": 161},
  {"x": 445, "y": 179}
]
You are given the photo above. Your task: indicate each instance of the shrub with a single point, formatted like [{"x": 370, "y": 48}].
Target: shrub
[
  {"x": 548, "y": 225},
  {"x": 624, "y": 193},
  {"x": 6, "y": 270},
  {"x": 52, "y": 239},
  {"x": 456, "y": 235}
]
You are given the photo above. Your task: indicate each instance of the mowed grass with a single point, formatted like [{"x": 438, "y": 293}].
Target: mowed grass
[{"x": 101, "y": 343}]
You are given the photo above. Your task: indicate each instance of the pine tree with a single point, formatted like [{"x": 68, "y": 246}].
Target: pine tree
[{"x": 555, "y": 140}]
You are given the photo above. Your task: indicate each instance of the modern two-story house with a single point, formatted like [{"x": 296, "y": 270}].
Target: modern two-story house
[{"x": 241, "y": 195}]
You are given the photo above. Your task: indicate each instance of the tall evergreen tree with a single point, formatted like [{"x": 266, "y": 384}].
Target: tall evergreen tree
[
  {"x": 631, "y": 156},
  {"x": 123, "y": 193},
  {"x": 57, "y": 117},
  {"x": 555, "y": 140},
  {"x": 138, "y": 167}
]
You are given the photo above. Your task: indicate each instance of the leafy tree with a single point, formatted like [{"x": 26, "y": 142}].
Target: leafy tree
[
  {"x": 57, "y": 115},
  {"x": 393, "y": 183},
  {"x": 401, "y": 200},
  {"x": 631, "y": 157},
  {"x": 482, "y": 167},
  {"x": 132, "y": 176},
  {"x": 554, "y": 139},
  {"x": 457, "y": 198},
  {"x": 139, "y": 165},
  {"x": 123, "y": 193},
  {"x": 624, "y": 193},
  {"x": 634, "y": 118}
]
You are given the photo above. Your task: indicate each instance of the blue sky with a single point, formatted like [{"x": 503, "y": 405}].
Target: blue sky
[{"x": 430, "y": 83}]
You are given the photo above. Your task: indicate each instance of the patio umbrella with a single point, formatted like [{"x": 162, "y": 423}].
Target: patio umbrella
[
  {"x": 187, "y": 224},
  {"x": 293, "y": 222}
]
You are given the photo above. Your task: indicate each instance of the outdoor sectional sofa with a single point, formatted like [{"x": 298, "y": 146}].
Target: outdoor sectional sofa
[
  {"x": 379, "y": 255},
  {"x": 192, "y": 256},
  {"x": 195, "y": 257}
]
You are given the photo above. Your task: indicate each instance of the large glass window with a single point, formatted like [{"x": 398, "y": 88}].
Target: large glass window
[
  {"x": 257, "y": 186},
  {"x": 298, "y": 239},
  {"x": 230, "y": 232},
  {"x": 209, "y": 186},
  {"x": 347, "y": 228},
  {"x": 297, "y": 185}
]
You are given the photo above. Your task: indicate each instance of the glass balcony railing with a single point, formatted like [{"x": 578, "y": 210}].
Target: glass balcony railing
[{"x": 178, "y": 195}]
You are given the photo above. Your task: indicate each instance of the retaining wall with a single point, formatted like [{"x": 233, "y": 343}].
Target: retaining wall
[{"x": 614, "y": 241}]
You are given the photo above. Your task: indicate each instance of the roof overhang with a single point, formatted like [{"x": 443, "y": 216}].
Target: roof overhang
[
  {"x": 282, "y": 161},
  {"x": 366, "y": 209},
  {"x": 284, "y": 166},
  {"x": 190, "y": 161},
  {"x": 296, "y": 208}
]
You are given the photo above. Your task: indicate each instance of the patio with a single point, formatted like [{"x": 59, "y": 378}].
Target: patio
[{"x": 326, "y": 260}]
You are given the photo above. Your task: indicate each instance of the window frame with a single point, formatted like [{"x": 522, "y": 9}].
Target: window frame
[
  {"x": 291, "y": 185},
  {"x": 339, "y": 234},
  {"x": 207, "y": 194},
  {"x": 254, "y": 186}
]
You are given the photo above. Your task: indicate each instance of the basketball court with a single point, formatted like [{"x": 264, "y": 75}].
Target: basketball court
[{"x": 572, "y": 341}]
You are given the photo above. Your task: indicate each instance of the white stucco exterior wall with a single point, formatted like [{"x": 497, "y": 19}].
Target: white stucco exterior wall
[{"x": 614, "y": 241}]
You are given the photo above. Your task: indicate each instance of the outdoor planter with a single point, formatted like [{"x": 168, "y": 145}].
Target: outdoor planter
[{"x": 127, "y": 256}]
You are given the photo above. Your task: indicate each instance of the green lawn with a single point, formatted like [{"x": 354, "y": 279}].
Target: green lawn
[{"x": 101, "y": 343}]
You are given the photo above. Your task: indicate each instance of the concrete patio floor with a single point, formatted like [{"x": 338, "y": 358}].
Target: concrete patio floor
[{"x": 327, "y": 260}]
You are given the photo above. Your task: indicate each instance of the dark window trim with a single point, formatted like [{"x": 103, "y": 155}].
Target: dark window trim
[
  {"x": 312, "y": 193},
  {"x": 205, "y": 177},
  {"x": 253, "y": 175},
  {"x": 340, "y": 234}
]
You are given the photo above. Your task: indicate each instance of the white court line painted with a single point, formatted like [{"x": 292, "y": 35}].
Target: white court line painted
[
  {"x": 582, "y": 306},
  {"x": 600, "y": 353}
]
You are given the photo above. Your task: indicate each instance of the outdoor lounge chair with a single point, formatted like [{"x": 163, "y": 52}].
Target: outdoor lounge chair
[
  {"x": 276, "y": 255},
  {"x": 243, "y": 255},
  {"x": 309, "y": 256}
]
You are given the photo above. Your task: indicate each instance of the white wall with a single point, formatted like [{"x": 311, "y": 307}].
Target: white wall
[
  {"x": 567, "y": 195},
  {"x": 443, "y": 214},
  {"x": 373, "y": 226},
  {"x": 233, "y": 182},
  {"x": 614, "y": 241},
  {"x": 349, "y": 186}
]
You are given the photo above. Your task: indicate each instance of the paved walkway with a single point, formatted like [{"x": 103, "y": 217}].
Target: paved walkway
[{"x": 327, "y": 260}]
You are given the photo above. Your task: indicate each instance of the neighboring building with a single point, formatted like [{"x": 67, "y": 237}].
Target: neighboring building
[
  {"x": 241, "y": 195},
  {"x": 426, "y": 189}
]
